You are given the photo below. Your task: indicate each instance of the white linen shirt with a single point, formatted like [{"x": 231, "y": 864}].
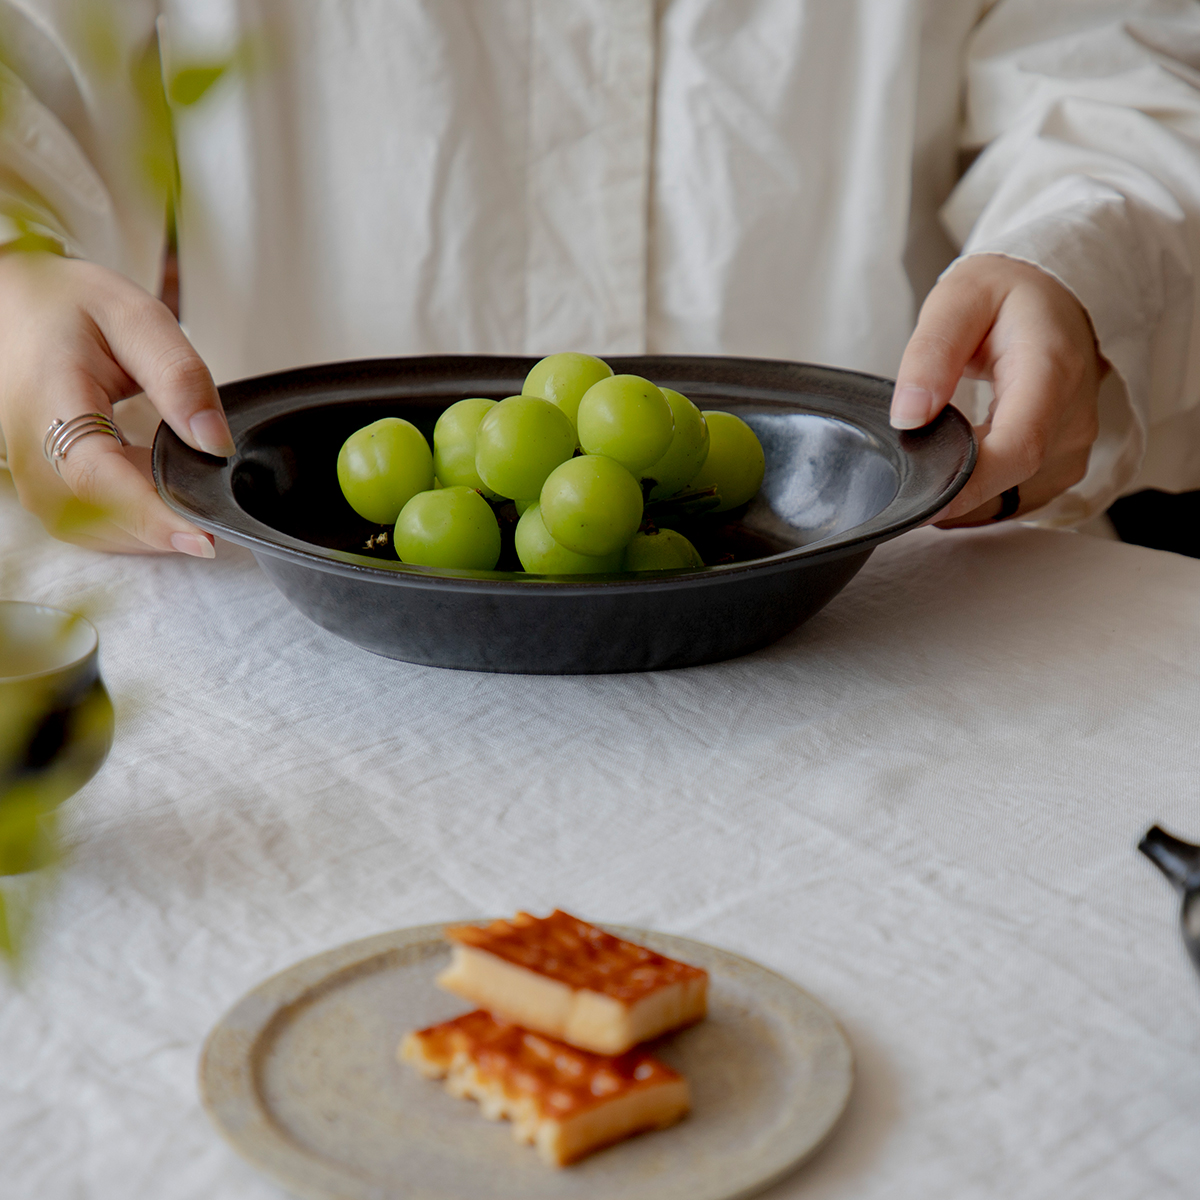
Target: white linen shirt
[{"x": 755, "y": 177}]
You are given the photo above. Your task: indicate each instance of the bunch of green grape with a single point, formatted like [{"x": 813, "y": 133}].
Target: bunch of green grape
[{"x": 580, "y": 452}]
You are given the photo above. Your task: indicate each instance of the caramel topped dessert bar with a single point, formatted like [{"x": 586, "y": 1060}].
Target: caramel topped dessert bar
[
  {"x": 562, "y": 977},
  {"x": 564, "y": 1101}
]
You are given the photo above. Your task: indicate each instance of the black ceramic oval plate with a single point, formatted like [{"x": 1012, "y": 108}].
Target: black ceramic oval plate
[{"x": 839, "y": 481}]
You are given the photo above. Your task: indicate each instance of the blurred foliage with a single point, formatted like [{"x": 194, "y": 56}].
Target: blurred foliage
[
  {"x": 56, "y": 725},
  {"x": 154, "y": 141},
  {"x": 190, "y": 85},
  {"x": 114, "y": 62},
  {"x": 98, "y": 23},
  {"x": 49, "y": 748},
  {"x": 28, "y": 210},
  {"x": 77, "y": 520},
  {"x": 30, "y": 241}
]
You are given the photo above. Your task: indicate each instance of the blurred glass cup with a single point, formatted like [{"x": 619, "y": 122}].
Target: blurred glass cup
[{"x": 56, "y": 727}]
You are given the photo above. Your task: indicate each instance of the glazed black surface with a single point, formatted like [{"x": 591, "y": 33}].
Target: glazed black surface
[
  {"x": 839, "y": 481},
  {"x": 1179, "y": 861}
]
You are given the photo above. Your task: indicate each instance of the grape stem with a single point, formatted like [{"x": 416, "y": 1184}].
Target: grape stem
[{"x": 685, "y": 504}]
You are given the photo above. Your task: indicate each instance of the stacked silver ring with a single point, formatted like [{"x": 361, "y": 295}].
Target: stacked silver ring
[{"x": 62, "y": 435}]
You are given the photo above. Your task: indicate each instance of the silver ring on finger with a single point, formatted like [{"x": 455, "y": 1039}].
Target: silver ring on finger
[{"x": 62, "y": 435}]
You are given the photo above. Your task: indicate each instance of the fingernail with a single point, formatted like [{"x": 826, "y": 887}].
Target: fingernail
[
  {"x": 912, "y": 407},
  {"x": 195, "y": 544},
  {"x": 211, "y": 433}
]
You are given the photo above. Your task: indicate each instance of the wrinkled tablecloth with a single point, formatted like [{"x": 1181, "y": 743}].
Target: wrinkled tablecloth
[{"x": 922, "y": 806}]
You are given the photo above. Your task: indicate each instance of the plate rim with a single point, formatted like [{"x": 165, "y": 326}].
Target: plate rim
[{"x": 228, "y": 1063}]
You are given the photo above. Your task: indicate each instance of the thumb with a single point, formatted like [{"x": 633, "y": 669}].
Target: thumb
[
  {"x": 147, "y": 343},
  {"x": 953, "y": 322}
]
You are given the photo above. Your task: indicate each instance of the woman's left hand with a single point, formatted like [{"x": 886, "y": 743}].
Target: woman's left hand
[{"x": 1000, "y": 319}]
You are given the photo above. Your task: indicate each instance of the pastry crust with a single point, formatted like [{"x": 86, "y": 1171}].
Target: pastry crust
[
  {"x": 562, "y": 1100},
  {"x": 562, "y": 977}
]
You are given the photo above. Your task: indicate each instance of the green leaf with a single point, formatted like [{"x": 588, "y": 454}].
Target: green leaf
[
  {"x": 34, "y": 243},
  {"x": 9, "y": 940},
  {"x": 154, "y": 141},
  {"x": 100, "y": 36},
  {"x": 76, "y": 518},
  {"x": 28, "y": 830},
  {"x": 189, "y": 85},
  {"x": 21, "y": 900}
]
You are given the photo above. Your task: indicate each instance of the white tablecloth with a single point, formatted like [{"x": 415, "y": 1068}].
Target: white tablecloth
[{"x": 922, "y": 806}]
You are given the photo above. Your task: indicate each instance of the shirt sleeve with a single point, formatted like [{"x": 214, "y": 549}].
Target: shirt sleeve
[
  {"x": 1088, "y": 116},
  {"x": 77, "y": 140}
]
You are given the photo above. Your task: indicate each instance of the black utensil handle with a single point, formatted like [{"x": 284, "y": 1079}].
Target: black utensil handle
[{"x": 1178, "y": 860}]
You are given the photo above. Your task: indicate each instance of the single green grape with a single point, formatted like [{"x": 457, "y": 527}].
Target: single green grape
[
  {"x": 454, "y": 444},
  {"x": 735, "y": 461},
  {"x": 454, "y": 527},
  {"x": 666, "y": 550},
  {"x": 686, "y": 453},
  {"x": 563, "y": 378},
  {"x": 382, "y": 466},
  {"x": 591, "y": 505},
  {"x": 540, "y": 554},
  {"x": 519, "y": 443},
  {"x": 626, "y": 418}
]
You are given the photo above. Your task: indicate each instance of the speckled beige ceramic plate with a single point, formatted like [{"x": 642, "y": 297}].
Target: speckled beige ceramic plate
[{"x": 301, "y": 1076}]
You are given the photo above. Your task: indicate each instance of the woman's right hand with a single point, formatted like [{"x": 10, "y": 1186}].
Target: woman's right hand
[{"x": 74, "y": 339}]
